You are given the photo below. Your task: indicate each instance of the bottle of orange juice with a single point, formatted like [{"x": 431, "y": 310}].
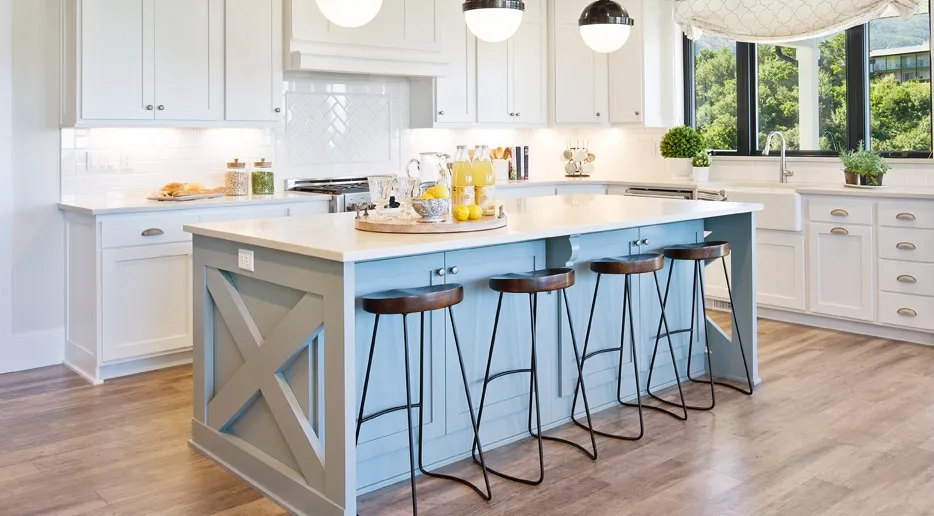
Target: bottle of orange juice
[
  {"x": 462, "y": 182},
  {"x": 485, "y": 181}
]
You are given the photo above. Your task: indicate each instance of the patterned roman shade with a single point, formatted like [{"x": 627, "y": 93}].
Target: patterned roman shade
[{"x": 773, "y": 21}]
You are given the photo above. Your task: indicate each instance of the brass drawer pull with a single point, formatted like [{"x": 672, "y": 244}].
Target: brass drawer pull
[
  {"x": 906, "y": 246},
  {"x": 906, "y": 216},
  {"x": 839, "y": 231},
  {"x": 907, "y": 312},
  {"x": 839, "y": 213},
  {"x": 153, "y": 232},
  {"x": 905, "y": 278}
]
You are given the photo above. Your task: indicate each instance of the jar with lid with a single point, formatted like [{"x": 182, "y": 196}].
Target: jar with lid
[
  {"x": 237, "y": 179},
  {"x": 263, "y": 178}
]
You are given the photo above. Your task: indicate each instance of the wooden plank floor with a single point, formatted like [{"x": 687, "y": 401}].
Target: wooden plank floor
[{"x": 842, "y": 425}]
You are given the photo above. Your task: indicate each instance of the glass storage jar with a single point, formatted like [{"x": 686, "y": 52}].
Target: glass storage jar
[
  {"x": 263, "y": 178},
  {"x": 237, "y": 179}
]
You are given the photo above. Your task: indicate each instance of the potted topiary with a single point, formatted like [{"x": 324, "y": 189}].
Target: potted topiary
[
  {"x": 679, "y": 146},
  {"x": 863, "y": 167},
  {"x": 701, "y": 164}
]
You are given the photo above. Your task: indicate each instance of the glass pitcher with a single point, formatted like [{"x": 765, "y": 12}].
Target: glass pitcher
[{"x": 431, "y": 167}]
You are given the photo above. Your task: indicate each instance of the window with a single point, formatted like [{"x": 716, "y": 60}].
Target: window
[
  {"x": 900, "y": 103},
  {"x": 715, "y": 91},
  {"x": 870, "y": 83},
  {"x": 802, "y": 93}
]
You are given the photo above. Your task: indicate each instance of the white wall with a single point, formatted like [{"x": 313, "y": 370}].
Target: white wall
[{"x": 32, "y": 228}]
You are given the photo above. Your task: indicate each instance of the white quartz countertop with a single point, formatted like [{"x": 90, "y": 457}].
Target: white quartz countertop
[
  {"x": 899, "y": 192},
  {"x": 650, "y": 182},
  {"x": 139, "y": 203},
  {"x": 333, "y": 236}
]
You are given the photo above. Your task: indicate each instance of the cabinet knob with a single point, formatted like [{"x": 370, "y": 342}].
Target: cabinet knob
[
  {"x": 441, "y": 272},
  {"x": 161, "y": 107},
  {"x": 598, "y": 114},
  {"x": 152, "y": 232},
  {"x": 839, "y": 231},
  {"x": 517, "y": 114},
  {"x": 839, "y": 213},
  {"x": 512, "y": 114},
  {"x": 149, "y": 107},
  {"x": 278, "y": 110},
  {"x": 907, "y": 312},
  {"x": 906, "y": 278},
  {"x": 906, "y": 216},
  {"x": 645, "y": 241},
  {"x": 441, "y": 113},
  {"x": 906, "y": 246},
  {"x": 637, "y": 113},
  {"x": 454, "y": 270}
]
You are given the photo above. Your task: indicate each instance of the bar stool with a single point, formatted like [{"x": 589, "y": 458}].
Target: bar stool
[
  {"x": 405, "y": 302},
  {"x": 533, "y": 283},
  {"x": 627, "y": 266},
  {"x": 700, "y": 253}
]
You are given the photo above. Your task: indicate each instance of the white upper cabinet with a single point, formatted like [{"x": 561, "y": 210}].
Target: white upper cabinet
[
  {"x": 578, "y": 74},
  {"x": 511, "y": 76},
  {"x": 405, "y": 38},
  {"x": 253, "y": 80},
  {"x": 171, "y": 62}
]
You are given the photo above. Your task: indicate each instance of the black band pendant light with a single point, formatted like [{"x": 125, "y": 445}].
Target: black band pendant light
[
  {"x": 605, "y": 26},
  {"x": 493, "y": 20}
]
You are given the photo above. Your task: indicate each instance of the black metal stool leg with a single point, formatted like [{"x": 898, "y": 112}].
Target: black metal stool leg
[
  {"x": 663, "y": 322},
  {"x": 408, "y": 412},
  {"x": 488, "y": 495},
  {"x": 584, "y": 356},
  {"x": 486, "y": 379},
  {"x": 739, "y": 337},
  {"x": 366, "y": 379},
  {"x": 635, "y": 360}
]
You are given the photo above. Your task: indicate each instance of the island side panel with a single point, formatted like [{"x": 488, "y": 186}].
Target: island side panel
[
  {"x": 273, "y": 375},
  {"x": 740, "y": 231}
]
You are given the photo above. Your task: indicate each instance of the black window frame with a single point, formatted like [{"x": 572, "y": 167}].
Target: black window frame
[{"x": 858, "y": 71}]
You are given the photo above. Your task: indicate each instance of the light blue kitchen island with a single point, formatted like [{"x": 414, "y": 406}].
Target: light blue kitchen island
[{"x": 279, "y": 352}]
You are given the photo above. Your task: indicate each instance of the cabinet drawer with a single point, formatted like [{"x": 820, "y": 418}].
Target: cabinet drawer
[
  {"x": 906, "y": 277},
  {"x": 129, "y": 230},
  {"x": 906, "y": 310},
  {"x": 840, "y": 210},
  {"x": 915, "y": 245},
  {"x": 906, "y": 214}
]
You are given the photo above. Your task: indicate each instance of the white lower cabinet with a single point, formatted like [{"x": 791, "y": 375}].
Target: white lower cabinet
[
  {"x": 146, "y": 306},
  {"x": 780, "y": 269},
  {"x": 841, "y": 270}
]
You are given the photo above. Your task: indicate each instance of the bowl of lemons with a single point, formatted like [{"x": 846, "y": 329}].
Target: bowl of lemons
[{"x": 434, "y": 203}]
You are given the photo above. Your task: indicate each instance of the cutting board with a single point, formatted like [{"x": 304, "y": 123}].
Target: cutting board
[{"x": 184, "y": 198}]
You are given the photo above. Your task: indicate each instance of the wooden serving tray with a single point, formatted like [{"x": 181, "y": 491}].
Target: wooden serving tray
[
  {"x": 182, "y": 198},
  {"x": 415, "y": 227}
]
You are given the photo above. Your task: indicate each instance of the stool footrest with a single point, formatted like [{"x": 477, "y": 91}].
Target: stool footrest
[
  {"x": 389, "y": 411},
  {"x": 507, "y": 373},
  {"x": 600, "y": 352}
]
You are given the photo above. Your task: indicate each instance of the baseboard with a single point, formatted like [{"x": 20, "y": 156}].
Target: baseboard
[
  {"x": 849, "y": 326},
  {"x": 33, "y": 349},
  {"x": 143, "y": 365}
]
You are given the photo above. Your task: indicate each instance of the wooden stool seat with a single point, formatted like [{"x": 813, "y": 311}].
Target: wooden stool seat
[
  {"x": 545, "y": 280},
  {"x": 635, "y": 264},
  {"x": 698, "y": 251},
  {"x": 413, "y": 300}
]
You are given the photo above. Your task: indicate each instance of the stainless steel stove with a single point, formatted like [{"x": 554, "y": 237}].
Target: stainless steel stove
[{"x": 347, "y": 193}]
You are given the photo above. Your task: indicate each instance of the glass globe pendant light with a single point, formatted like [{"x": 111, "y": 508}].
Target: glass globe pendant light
[
  {"x": 350, "y": 13},
  {"x": 493, "y": 20},
  {"x": 605, "y": 26}
]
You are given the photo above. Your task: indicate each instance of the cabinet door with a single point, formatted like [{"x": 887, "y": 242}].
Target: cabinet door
[
  {"x": 189, "y": 59},
  {"x": 527, "y": 69},
  {"x": 494, "y": 83},
  {"x": 841, "y": 270},
  {"x": 507, "y": 397},
  {"x": 627, "y": 73},
  {"x": 116, "y": 60},
  {"x": 780, "y": 272},
  {"x": 580, "y": 78},
  {"x": 456, "y": 93},
  {"x": 146, "y": 300},
  {"x": 389, "y": 434},
  {"x": 253, "y": 76}
]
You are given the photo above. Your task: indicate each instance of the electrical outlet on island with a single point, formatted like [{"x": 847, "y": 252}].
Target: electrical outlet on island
[{"x": 245, "y": 260}]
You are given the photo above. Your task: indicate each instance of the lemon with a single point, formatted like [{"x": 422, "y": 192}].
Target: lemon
[
  {"x": 427, "y": 195},
  {"x": 440, "y": 191},
  {"x": 475, "y": 212},
  {"x": 461, "y": 213}
]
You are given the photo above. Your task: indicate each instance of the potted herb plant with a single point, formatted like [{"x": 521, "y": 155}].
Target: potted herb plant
[
  {"x": 863, "y": 167},
  {"x": 701, "y": 164},
  {"x": 679, "y": 146}
]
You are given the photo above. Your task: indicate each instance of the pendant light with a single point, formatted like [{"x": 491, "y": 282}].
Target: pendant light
[
  {"x": 350, "y": 13},
  {"x": 605, "y": 26},
  {"x": 493, "y": 20}
]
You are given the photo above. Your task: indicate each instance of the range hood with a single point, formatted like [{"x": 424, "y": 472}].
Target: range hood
[{"x": 405, "y": 39}]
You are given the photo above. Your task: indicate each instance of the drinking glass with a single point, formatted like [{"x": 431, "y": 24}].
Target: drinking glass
[
  {"x": 406, "y": 189},
  {"x": 380, "y": 191}
]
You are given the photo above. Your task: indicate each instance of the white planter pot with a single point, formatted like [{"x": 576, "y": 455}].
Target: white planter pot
[
  {"x": 701, "y": 174},
  {"x": 679, "y": 168}
]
